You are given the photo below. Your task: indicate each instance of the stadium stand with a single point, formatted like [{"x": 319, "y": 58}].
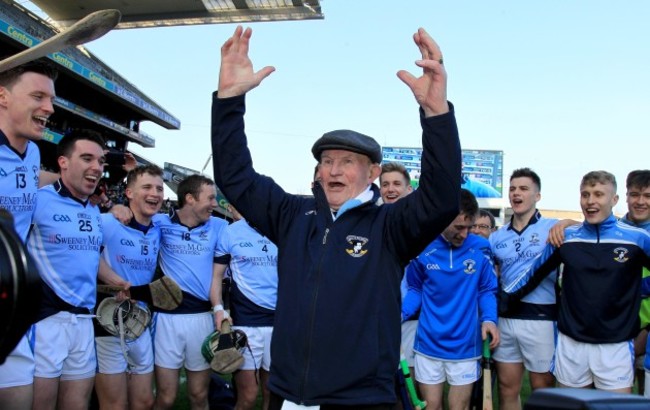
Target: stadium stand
[{"x": 89, "y": 94}]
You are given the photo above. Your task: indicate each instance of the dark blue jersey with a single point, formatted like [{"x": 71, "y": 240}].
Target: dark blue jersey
[{"x": 601, "y": 280}]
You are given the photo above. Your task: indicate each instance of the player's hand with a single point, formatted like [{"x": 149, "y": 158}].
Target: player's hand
[
  {"x": 219, "y": 317},
  {"x": 556, "y": 234},
  {"x": 236, "y": 76},
  {"x": 122, "y": 213},
  {"x": 123, "y": 294},
  {"x": 430, "y": 89},
  {"x": 490, "y": 328},
  {"x": 506, "y": 303},
  {"x": 130, "y": 163}
]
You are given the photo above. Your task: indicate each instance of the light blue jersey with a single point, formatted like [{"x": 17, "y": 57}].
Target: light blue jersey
[
  {"x": 19, "y": 183},
  {"x": 515, "y": 251},
  {"x": 65, "y": 242},
  {"x": 253, "y": 261},
  {"x": 187, "y": 255},
  {"x": 132, "y": 253}
]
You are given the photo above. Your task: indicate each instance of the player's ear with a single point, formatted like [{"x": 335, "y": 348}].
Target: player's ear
[
  {"x": 128, "y": 192},
  {"x": 375, "y": 171},
  {"x": 4, "y": 96},
  {"x": 63, "y": 162}
]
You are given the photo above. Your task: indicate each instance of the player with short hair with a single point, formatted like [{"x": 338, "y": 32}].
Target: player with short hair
[
  {"x": 26, "y": 102},
  {"x": 125, "y": 373},
  {"x": 394, "y": 182},
  {"x": 601, "y": 291},
  {"x": 253, "y": 262},
  {"x": 65, "y": 242},
  {"x": 527, "y": 331},
  {"x": 454, "y": 283},
  {"x": 638, "y": 214},
  {"x": 187, "y": 250},
  {"x": 638, "y": 205}
]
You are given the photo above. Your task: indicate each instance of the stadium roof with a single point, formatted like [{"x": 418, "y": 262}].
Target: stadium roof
[{"x": 155, "y": 13}]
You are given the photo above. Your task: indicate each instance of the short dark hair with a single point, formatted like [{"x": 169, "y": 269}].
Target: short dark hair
[
  {"x": 468, "y": 203},
  {"x": 598, "y": 177},
  {"x": 66, "y": 145},
  {"x": 395, "y": 167},
  {"x": 135, "y": 173},
  {"x": 639, "y": 178},
  {"x": 41, "y": 66},
  {"x": 191, "y": 185},
  {"x": 527, "y": 172},
  {"x": 485, "y": 213}
]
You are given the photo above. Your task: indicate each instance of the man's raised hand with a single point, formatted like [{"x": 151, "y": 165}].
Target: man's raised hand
[
  {"x": 236, "y": 76},
  {"x": 430, "y": 89}
]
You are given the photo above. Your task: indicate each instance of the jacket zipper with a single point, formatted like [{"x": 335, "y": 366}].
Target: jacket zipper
[{"x": 311, "y": 324}]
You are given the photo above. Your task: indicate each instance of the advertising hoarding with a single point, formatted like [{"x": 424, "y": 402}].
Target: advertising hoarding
[{"x": 482, "y": 169}]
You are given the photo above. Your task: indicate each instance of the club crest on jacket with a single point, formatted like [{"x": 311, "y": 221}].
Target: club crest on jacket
[{"x": 357, "y": 243}]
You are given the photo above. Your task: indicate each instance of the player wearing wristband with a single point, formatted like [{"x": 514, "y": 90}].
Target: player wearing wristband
[
  {"x": 252, "y": 259},
  {"x": 188, "y": 243}
]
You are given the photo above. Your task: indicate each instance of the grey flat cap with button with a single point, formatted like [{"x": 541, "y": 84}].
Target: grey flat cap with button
[{"x": 348, "y": 140}]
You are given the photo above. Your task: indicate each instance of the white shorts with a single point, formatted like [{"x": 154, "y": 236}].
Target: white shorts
[
  {"x": 409, "y": 329},
  {"x": 177, "y": 340},
  {"x": 65, "y": 346},
  {"x": 608, "y": 366},
  {"x": 259, "y": 341},
  {"x": 18, "y": 368},
  {"x": 531, "y": 342},
  {"x": 433, "y": 371},
  {"x": 111, "y": 360}
]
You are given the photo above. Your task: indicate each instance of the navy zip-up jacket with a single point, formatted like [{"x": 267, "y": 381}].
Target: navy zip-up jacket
[
  {"x": 337, "y": 322},
  {"x": 601, "y": 281}
]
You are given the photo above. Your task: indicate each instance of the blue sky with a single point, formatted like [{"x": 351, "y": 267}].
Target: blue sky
[{"x": 561, "y": 87}]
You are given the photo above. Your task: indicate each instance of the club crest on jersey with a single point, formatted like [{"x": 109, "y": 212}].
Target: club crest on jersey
[
  {"x": 203, "y": 235},
  {"x": 621, "y": 254},
  {"x": 470, "y": 266},
  {"x": 357, "y": 243},
  {"x": 534, "y": 238}
]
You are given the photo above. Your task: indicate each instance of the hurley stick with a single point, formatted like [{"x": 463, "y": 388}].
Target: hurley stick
[
  {"x": 487, "y": 376},
  {"x": 163, "y": 293},
  {"x": 87, "y": 29},
  {"x": 413, "y": 395}
]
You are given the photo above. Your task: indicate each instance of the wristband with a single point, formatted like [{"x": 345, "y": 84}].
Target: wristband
[{"x": 217, "y": 308}]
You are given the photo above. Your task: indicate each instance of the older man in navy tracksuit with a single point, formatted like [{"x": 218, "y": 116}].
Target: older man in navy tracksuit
[{"x": 341, "y": 256}]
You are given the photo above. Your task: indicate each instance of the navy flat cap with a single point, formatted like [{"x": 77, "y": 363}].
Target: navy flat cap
[{"x": 348, "y": 140}]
